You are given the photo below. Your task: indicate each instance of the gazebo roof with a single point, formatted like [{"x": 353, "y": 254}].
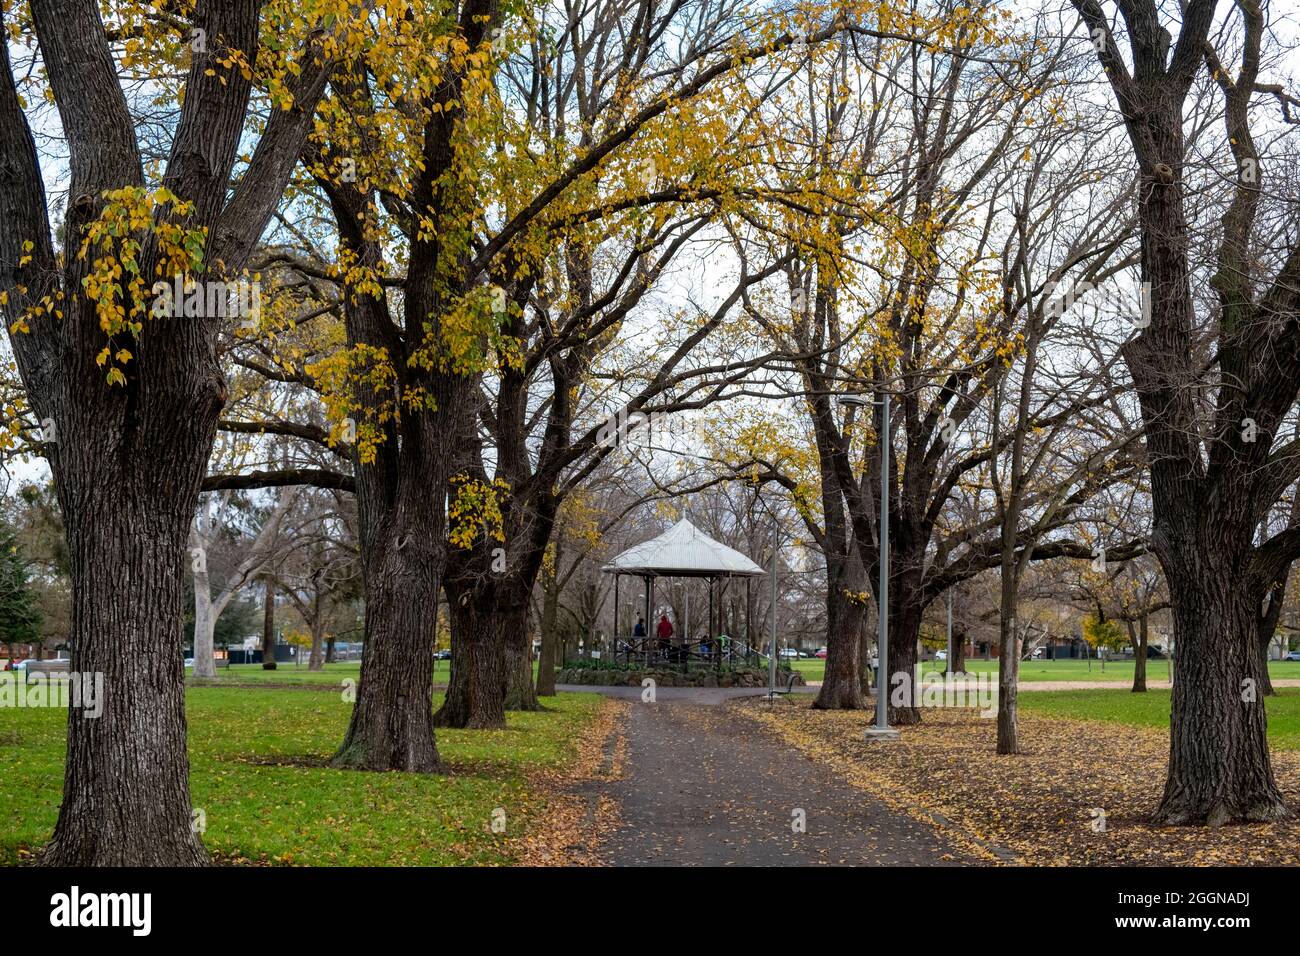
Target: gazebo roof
[{"x": 683, "y": 551}]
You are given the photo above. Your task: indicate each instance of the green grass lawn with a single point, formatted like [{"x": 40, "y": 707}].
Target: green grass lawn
[
  {"x": 1152, "y": 710},
  {"x": 810, "y": 669},
  {"x": 1073, "y": 669},
  {"x": 255, "y": 760},
  {"x": 298, "y": 674},
  {"x": 1118, "y": 671},
  {"x": 1113, "y": 671}
]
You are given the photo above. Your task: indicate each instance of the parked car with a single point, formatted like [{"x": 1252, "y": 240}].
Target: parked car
[
  {"x": 789, "y": 652},
  {"x": 940, "y": 655},
  {"x": 23, "y": 665},
  {"x": 442, "y": 656},
  {"x": 189, "y": 662},
  {"x": 821, "y": 654},
  {"x": 1291, "y": 656}
]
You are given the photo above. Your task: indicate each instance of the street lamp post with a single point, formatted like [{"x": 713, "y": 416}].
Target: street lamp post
[
  {"x": 881, "y": 730},
  {"x": 948, "y": 669},
  {"x": 772, "y": 649},
  {"x": 771, "y": 661}
]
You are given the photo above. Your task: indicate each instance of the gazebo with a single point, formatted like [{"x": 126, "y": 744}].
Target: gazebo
[{"x": 683, "y": 551}]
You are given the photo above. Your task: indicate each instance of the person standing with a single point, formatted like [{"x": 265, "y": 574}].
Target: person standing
[{"x": 664, "y": 632}]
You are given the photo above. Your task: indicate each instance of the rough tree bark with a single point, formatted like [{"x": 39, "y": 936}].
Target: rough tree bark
[
  {"x": 205, "y": 626},
  {"x": 476, "y": 692},
  {"x": 1220, "y": 769},
  {"x": 128, "y": 460},
  {"x": 268, "y": 625},
  {"x": 1211, "y": 482},
  {"x": 1266, "y": 626},
  {"x": 846, "y": 587},
  {"x": 402, "y": 519},
  {"x": 520, "y": 692},
  {"x": 1138, "y": 638},
  {"x": 1008, "y": 667},
  {"x": 959, "y": 640},
  {"x": 842, "y": 684},
  {"x": 315, "y": 661},
  {"x": 126, "y": 794},
  {"x": 392, "y": 722},
  {"x": 905, "y": 613},
  {"x": 550, "y": 627}
]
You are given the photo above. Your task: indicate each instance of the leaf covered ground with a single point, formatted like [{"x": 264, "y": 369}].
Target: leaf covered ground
[{"x": 1039, "y": 807}]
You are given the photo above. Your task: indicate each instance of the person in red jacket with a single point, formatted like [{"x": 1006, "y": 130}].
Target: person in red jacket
[{"x": 664, "y": 632}]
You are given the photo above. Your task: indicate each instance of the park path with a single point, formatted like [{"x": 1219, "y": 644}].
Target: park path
[{"x": 702, "y": 786}]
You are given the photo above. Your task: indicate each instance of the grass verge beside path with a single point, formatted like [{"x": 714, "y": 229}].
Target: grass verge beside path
[
  {"x": 1152, "y": 710},
  {"x": 257, "y": 771},
  {"x": 1061, "y": 670}
]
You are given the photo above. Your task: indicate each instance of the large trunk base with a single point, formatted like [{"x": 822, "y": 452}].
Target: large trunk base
[
  {"x": 392, "y": 722},
  {"x": 520, "y": 692},
  {"x": 126, "y": 797},
  {"x": 842, "y": 682},
  {"x": 476, "y": 692},
  {"x": 1220, "y": 770}
]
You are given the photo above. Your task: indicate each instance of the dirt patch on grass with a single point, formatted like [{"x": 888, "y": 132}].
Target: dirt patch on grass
[{"x": 1046, "y": 804}]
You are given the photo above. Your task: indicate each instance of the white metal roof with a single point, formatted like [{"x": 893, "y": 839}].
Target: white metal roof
[{"x": 683, "y": 551}]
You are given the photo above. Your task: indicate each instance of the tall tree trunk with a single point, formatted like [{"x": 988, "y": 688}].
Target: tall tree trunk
[
  {"x": 520, "y": 693},
  {"x": 1270, "y": 615},
  {"x": 392, "y": 722},
  {"x": 904, "y": 633},
  {"x": 958, "y": 651},
  {"x": 1008, "y": 662},
  {"x": 315, "y": 661},
  {"x": 1206, "y": 490},
  {"x": 550, "y": 636},
  {"x": 476, "y": 692},
  {"x": 1219, "y": 764},
  {"x": 1139, "y": 640},
  {"x": 126, "y": 797},
  {"x": 205, "y": 625},
  {"x": 128, "y": 459},
  {"x": 268, "y": 627},
  {"x": 842, "y": 683},
  {"x": 329, "y": 651},
  {"x": 1265, "y": 681}
]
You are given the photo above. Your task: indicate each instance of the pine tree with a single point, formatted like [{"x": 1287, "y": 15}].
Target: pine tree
[{"x": 20, "y": 618}]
